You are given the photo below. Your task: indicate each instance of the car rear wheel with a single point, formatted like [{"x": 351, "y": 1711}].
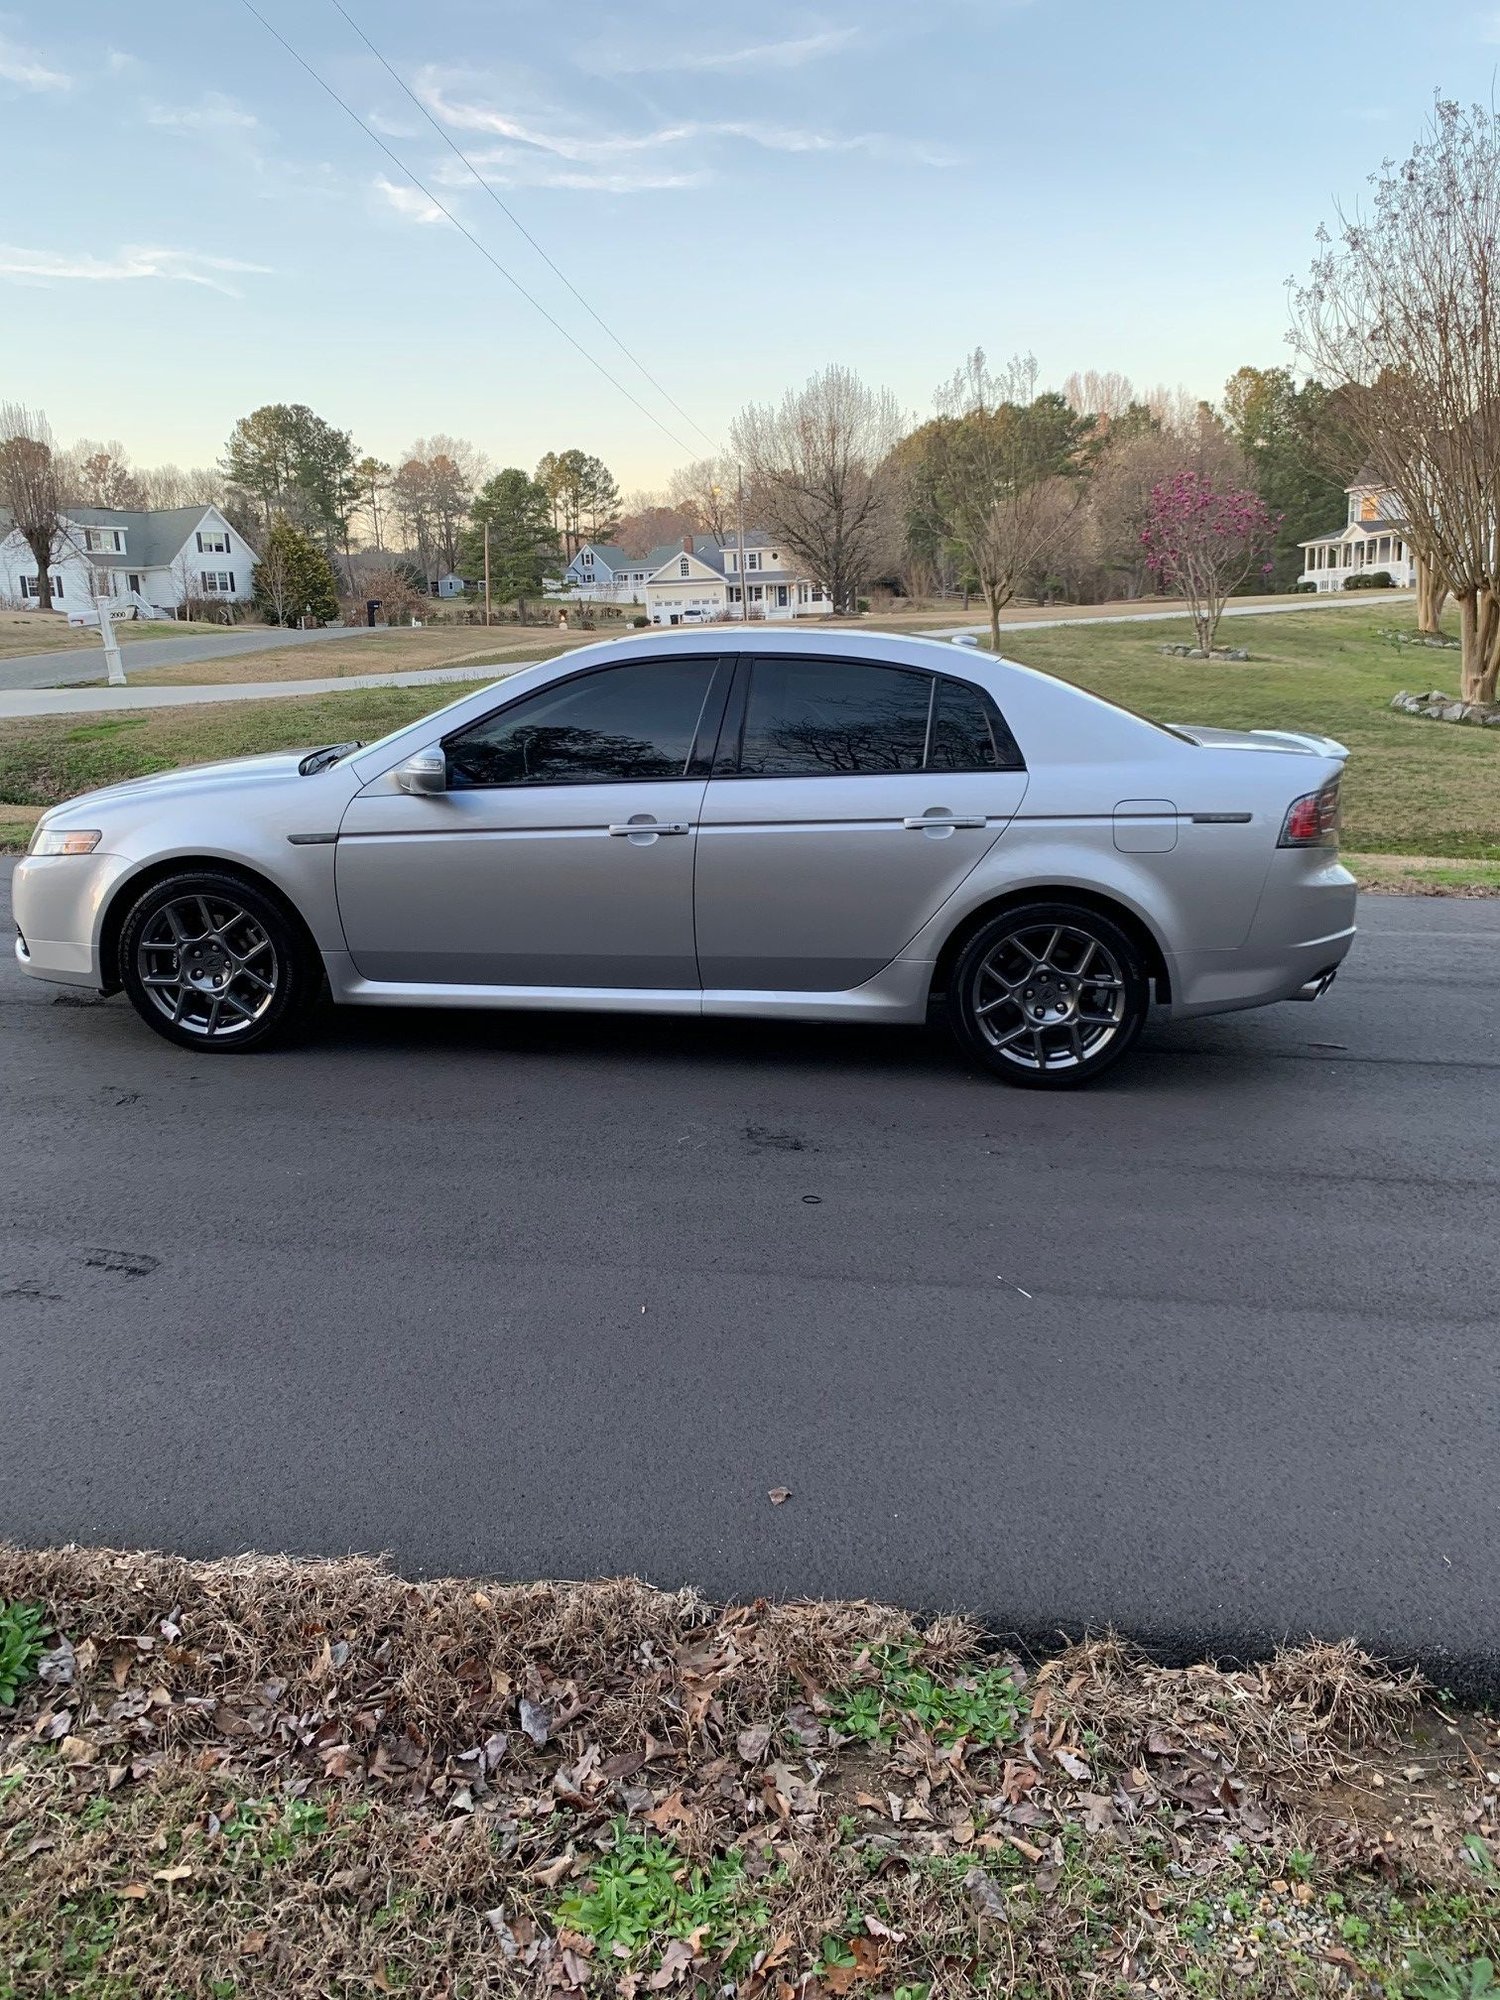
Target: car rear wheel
[
  {"x": 213, "y": 963},
  {"x": 1049, "y": 995}
]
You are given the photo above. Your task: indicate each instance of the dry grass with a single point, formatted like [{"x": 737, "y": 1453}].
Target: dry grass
[
  {"x": 23, "y": 633},
  {"x": 320, "y": 1779},
  {"x": 16, "y": 823},
  {"x": 1419, "y": 875},
  {"x": 389, "y": 652}
]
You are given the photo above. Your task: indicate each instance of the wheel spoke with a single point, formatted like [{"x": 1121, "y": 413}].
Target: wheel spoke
[
  {"x": 209, "y": 965},
  {"x": 1063, "y": 1009}
]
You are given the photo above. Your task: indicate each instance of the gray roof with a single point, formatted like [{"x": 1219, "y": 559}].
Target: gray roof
[
  {"x": 610, "y": 553},
  {"x": 153, "y": 539}
]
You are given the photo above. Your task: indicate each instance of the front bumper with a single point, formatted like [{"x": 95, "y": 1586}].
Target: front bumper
[{"x": 58, "y": 901}]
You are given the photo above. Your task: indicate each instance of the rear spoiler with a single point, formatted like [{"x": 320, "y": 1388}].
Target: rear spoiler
[{"x": 1325, "y": 746}]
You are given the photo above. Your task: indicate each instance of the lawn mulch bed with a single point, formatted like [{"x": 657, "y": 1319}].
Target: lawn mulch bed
[{"x": 270, "y": 1776}]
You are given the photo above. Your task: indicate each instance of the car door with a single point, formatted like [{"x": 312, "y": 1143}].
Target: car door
[
  {"x": 849, "y": 800},
  {"x": 561, "y": 852}
]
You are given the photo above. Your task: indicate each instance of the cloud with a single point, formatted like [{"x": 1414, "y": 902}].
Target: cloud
[
  {"x": 216, "y": 116},
  {"x": 409, "y": 202},
  {"x": 511, "y": 167},
  {"x": 132, "y": 262},
  {"x": 1489, "y": 28},
  {"x": 592, "y": 145},
  {"x": 789, "y": 54},
  {"x": 23, "y": 66},
  {"x": 391, "y": 127}
]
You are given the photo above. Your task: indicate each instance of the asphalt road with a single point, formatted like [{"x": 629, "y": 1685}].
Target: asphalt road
[
  {"x": 72, "y": 666},
  {"x": 1211, "y": 1352}
]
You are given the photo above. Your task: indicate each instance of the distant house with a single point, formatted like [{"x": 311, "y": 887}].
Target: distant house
[
  {"x": 146, "y": 563},
  {"x": 700, "y": 580},
  {"x": 602, "y": 573},
  {"x": 1372, "y": 538}
]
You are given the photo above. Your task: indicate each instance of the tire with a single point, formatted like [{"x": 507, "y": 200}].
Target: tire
[
  {"x": 213, "y": 963},
  {"x": 1049, "y": 995}
]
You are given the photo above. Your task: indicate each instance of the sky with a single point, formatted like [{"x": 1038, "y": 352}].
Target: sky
[{"x": 193, "y": 226}]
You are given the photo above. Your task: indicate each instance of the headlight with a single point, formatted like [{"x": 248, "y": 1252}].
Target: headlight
[{"x": 63, "y": 840}]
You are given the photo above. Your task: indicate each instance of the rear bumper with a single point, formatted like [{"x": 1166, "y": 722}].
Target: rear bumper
[{"x": 1301, "y": 936}]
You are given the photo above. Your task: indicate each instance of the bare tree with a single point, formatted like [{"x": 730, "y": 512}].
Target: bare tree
[
  {"x": 33, "y": 489},
  {"x": 101, "y": 476},
  {"x": 705, "y": 491},
  {"x": 1406, "y": 305},
  {"x": 1000, "y": 471},
  {"x": 1092, "y": 394},
  {"x": 819, "y": 465},
  {"x": 411, "y": 504}
]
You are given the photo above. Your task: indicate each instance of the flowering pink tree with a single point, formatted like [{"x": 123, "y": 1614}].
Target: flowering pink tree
[{"x": 1201, "y": 544}]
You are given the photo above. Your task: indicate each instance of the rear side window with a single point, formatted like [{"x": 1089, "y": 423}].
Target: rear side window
[
  {"x": 826, "y": 718},
  {"x": 968, "y": 733},
  {"x": 635, "y": 721}
]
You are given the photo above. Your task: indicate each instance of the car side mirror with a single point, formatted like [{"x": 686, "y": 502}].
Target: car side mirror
[{"x": 424, "y": 774}]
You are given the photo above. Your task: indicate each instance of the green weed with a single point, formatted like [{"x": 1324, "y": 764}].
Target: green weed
[
  {"x": 23, "y": 1628},
  {"x": 979, "y": 1705},
  {"x": 643, "y": 1893}
]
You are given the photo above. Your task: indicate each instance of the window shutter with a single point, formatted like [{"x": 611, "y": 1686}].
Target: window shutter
[
  {"x": 200, "y": 541},
  {"x": 231, "y": 583}
]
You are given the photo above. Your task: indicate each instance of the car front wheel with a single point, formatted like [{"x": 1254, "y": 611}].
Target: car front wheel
[
  {"x": 1049, "y": 995},
  {"x": 212, "y": 962}
]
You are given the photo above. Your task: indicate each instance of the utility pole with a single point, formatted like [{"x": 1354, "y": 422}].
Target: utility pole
[
  {"x": 739, "y": 535},
  {"x": 486, "y": 570}
]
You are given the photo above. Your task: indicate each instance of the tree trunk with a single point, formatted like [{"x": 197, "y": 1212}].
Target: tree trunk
[
  {"x": 41, "y": 549},
  {"x": 1432, "y": 594},
  {"x": 1479, "y": 634},
  {"x": 994, "y": 621}
]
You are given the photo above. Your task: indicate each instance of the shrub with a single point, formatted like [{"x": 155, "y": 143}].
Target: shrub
[
  {"x": 1305, "y": 584},
  {"x": 638, "y": 622},
  {"x": 1370, "y": 579}
]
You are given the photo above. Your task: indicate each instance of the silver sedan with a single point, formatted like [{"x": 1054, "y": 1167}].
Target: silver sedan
[{"x": 753, "y": 822}]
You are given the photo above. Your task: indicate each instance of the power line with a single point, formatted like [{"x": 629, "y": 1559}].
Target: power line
[
  {"x": 510, "y": 215},
  {"x": 443, "y": 209}
]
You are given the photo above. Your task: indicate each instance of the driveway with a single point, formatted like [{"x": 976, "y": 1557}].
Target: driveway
[
  {"x": 72, "y": 666},
  {"x": 1210, "y": 1352}
]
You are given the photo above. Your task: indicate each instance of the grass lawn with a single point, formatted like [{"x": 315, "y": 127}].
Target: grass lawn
[
  {"x": 266, "y": 1776},
  {"x": 1413, "y": 787},
  {"x": 398, "y": 651},
  {"x": 23, "y": 633}
]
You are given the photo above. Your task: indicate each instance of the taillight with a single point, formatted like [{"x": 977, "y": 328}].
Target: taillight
[{"x": 1313, "y": 820}]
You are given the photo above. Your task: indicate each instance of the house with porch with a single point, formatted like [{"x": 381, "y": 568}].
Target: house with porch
[
  {"x": 702, "y": 579},
  {"x": 149, "y": 564},
  {"x": 1372, "y": 538},
  {"x": 602, "y": 573}
]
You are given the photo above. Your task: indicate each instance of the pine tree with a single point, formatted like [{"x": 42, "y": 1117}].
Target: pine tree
[
  {"x": 522, "y": 538},
  {"x": 294, "y": 578}
]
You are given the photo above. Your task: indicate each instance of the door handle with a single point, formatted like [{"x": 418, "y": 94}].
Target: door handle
[
  {"x": 944, "y": 819},
  {"x": 638, "y": 826}
]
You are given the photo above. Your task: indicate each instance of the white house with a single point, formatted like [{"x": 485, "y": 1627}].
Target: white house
[
  {"x": 700, "y": 580},
  {"x": 602, "y": 573},
  {"x": 1373, "y": 538},
  {"x": 697, "y": 579},
  {"x": 146, "y": 563}
]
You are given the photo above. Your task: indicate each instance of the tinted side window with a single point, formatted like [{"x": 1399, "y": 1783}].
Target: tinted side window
[
  {"x": 821, "y": 718},
  {"x": 967, "y": 732},
  {"x": 624, "y": 722}
]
